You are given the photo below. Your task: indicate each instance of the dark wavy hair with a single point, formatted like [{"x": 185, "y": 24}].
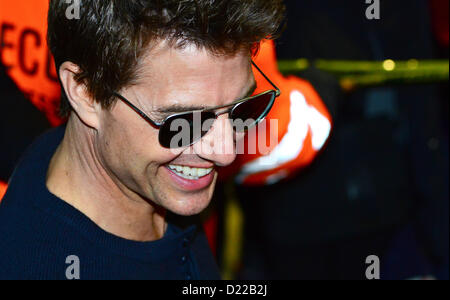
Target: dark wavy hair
[{"x": 111, "y": 36}]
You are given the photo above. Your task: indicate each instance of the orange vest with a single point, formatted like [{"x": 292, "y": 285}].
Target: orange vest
[
  {"x": 24, "y": 53},
  {"x": 304, "y": 126},
  {"x": 3, "y": 187}
]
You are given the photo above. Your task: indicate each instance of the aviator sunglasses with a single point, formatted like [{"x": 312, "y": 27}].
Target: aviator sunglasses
[{"x": 245, "y": 114}]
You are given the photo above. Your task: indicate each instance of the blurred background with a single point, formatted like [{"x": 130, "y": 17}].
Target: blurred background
[{"x": 361, "y": 164}]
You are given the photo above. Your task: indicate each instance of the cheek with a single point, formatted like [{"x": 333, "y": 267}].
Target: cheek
[{"x": 132, "y": 150}]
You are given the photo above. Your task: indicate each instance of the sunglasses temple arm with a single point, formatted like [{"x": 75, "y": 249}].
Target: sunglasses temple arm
[
  {"x": 267, "y": 78},
  {"x": 138, "y": 111}
]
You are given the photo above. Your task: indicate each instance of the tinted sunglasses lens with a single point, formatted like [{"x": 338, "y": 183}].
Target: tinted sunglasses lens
[
  {"x": 185, "y": 129},
  {"x": 249, "y": 113}
]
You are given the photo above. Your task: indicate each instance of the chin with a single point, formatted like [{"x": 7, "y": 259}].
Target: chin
[
  {"x": 189, "y": 206},
  {"x": 187, "y": 211}
]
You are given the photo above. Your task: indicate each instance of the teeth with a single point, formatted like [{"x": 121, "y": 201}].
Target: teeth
[
  {"x": 187, "y": 171},
  {"x": 190, "y": 173},
  {"x": 202, "y": 172}
]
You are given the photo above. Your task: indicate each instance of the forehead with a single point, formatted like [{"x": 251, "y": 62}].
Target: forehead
[{"x": 192, "y": 76}]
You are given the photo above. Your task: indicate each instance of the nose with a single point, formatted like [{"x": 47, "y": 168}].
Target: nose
[{"x": 218, "y": 144}]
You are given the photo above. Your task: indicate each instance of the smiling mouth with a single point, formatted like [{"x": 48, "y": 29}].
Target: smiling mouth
[{"x": 190, "y": 173}]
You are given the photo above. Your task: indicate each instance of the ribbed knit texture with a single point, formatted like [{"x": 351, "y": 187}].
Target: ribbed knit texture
[{"x": 38, "y": 231}]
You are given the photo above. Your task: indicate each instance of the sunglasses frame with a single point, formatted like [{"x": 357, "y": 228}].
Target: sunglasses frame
[{"x": 232, "y": 106}]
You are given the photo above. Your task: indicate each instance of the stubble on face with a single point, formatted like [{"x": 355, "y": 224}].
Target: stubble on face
[{"x": 129, "y": 145}]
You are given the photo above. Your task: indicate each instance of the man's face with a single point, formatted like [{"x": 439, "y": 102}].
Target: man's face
[{"x": 173, "y": 80}]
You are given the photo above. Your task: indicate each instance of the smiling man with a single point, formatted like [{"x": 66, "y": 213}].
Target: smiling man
[{"x": 112, "y": 187}]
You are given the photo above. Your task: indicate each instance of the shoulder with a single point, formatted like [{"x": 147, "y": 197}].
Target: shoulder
[
  {"x": 36, "y": 245},
  {"x": 27, "y": 245}
]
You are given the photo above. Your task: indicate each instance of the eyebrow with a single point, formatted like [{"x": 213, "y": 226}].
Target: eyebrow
[{"x": 183, "y": 108}]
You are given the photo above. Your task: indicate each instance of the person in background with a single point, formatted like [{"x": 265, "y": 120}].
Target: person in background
[
  {"x": 27, "y": 75},
  {"x": 20, "y": 124},
  {"x": 25, "y": 55},
  {"x": 302, "y": 130},
  {"x": 380, "y": 187}
]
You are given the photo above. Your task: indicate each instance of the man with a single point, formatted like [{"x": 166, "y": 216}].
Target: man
[{"x": 102, "y": 197}]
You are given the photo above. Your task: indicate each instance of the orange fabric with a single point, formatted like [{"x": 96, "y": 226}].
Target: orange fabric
[
  {"x": 3, "y": 187},
  {"x": 24, "y": 52},
  {"x": 282, "y": 111}
]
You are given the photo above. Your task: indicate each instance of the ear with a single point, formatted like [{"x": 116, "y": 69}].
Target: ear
[{"x": 82, "y": 103}]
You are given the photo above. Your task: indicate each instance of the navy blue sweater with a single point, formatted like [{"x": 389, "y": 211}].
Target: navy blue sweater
[{"x": 39, "y": 232}]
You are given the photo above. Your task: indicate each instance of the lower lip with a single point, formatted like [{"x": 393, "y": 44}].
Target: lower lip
[{"x": 191, "y": 185}]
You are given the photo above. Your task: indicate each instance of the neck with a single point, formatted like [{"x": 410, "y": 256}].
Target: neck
[{"x": 77, "y": 176}]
